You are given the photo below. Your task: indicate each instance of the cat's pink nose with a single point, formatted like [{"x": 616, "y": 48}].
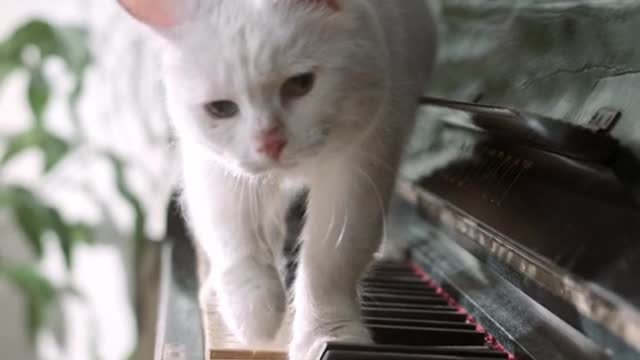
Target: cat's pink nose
[{"x": 272, "y": 142}]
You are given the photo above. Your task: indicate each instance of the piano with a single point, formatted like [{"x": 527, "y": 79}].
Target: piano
[{"x": 519, "y": 202}]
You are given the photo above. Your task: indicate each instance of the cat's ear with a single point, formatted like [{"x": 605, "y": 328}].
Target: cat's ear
[{"x": 160, "y": 14}]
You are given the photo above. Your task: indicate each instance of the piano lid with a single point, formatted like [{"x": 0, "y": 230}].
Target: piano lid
[
  {"x": 533, "y": 184},
  {"x": 563, "y": 230}
]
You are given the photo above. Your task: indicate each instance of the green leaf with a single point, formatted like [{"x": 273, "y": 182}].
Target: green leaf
[
  {"x": 29, "y": 280},
  {"x": 38, "y": 93},
  {"x": 7, "y": 67},
  {"x": 77, "y": 58},
  {"x": 53, "y": 148},
  {"x": 18, "y": 144},
  {"x": 74, "y": 45},
  {"x": 71, "y": 43},
  {"x": 35, "y": 33},
  {"x": 81, "y": 233},
  {"x": 35, "y": 218},
  {"x": 32, "y": 222},
  {"x": 63, "y": 233},
  {"x": 44, "y": 40},
  {"x": 7, "y": 64},
  {"x": 72, "y": 103},
  {"x": 38, "y": 292},
  {"x": 28, "y": 213},
  {"x": 139, "y": 236},
  {"x": 68, "y": 235}
]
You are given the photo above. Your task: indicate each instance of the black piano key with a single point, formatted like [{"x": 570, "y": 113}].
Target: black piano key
[
  {"x": 390, "y": 265},
  {"x": 389, "y": 273},
  {"x": 408, "y": 290},
  {"x": 466, "y": 352},
  {"x": 419, "y": 336},
  {"x": 419, "y": 323},
  {"x": 398, "y": 283},
  {"x": 410, "y": 320},
  {"x": 415, "y": 307},
  {"x": 394, "y": 278},
  {"x": 403, "y": 299},
  {"x": 392, "y": 268},
  {"x": 425, "y": 291},
  {"x": 404, "y": 313}
]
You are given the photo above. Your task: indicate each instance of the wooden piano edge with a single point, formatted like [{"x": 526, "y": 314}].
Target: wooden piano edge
[
  {"x": 622, "y": 334},
  {"x": 179, "y": 331}
]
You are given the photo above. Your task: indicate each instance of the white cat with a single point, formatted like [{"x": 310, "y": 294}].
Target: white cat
[{"x": 267, "y": 93}]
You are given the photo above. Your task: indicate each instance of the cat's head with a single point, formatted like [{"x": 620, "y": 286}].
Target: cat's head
[{"x": 266, "y": 85}]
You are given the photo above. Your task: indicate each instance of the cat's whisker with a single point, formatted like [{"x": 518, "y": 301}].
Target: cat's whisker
[
  {"x": 331, "y": 224},
  {"x": 236, "y": 184},
  {"x": 254, "y": 213},
  {"x": 344, "y": 228},
  {"x": 247, "y": 191},
  {"x": 387, "y": 166}
]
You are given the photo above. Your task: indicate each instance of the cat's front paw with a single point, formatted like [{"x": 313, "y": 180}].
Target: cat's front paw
[
  {"x": 252, "y": 302},
  {"x": 309, "y": 343}
]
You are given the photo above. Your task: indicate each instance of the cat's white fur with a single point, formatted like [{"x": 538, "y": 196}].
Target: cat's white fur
[{"x": 371, "y": 59}]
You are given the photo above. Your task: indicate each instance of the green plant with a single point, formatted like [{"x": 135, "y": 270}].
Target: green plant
[{"x": 27, "y": 50}]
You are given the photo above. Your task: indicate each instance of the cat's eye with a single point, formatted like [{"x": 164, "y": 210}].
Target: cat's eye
[
  {"x": 223, "y": 109},
  {"x": 298, "y": 86}
]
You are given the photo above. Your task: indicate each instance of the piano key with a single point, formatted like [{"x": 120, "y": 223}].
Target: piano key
[
  {"x": 409, "y": 316},
  {"x": 391, "y": 276},
  {"x": 403, "y": 313},
  {"x": 407, "y": 335},
  {"x": 467, "y": 352},
  {"x": 394, "y": 278},
  {"x": 367, "y": 355},
  {"x": 418, "y": 307},
  {"x": 424, "y": 290},
  {"x": 419, "y": 323},
  {"x": 390, "y": 265},
  {"x": 399, "y": 283},
  {"x": 382, "y": 273},
  {"x": 387, "y": 273},
  {"x": 403, "y": 299}
]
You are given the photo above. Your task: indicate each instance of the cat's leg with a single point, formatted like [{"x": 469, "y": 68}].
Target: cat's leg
[
  {"x": 274, "y": 210},
  {"x": 346, "y": 210},
  {"x": 226, "y": 215}
]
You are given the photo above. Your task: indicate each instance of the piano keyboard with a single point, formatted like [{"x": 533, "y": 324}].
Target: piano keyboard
[{"x": 409, "y": 317}]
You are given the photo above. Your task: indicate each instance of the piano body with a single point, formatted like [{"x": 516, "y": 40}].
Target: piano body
[{"x": 519, "y": 202}]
